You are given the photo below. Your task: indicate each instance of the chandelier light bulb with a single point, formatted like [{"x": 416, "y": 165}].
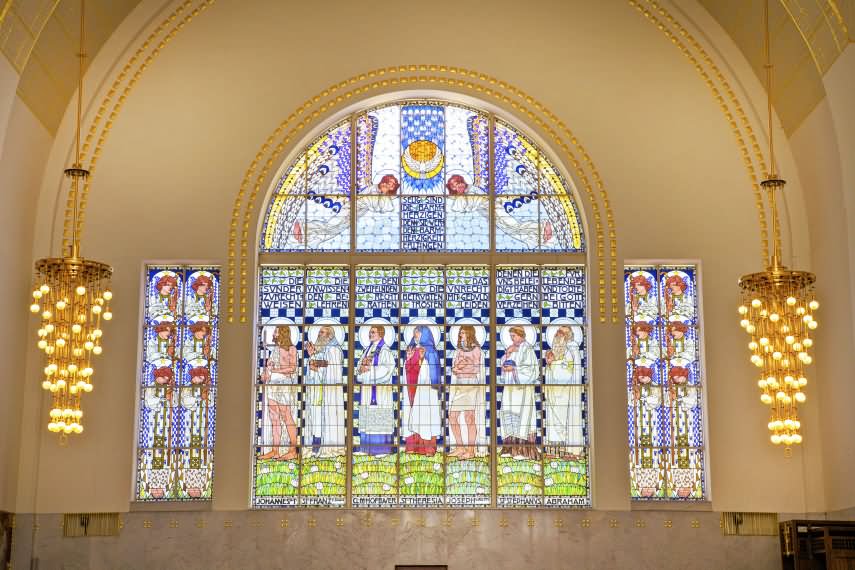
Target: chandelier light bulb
[
  {"x": 800, "y": 311},
  {"x": 790, "y": 339},
  {"x": 75, "y": 328},
  {"x": 800, "y": 397},
  {"x": 60, "y": 305},
  {"x": 108, "y": 294},
  {"x": 812, "y": 325},
  {"x": 35, "y": 308},
  {"x": 750, "y": 329},
  {"x": 776, "y": 439},
  {"x": 743, "y": 323},
  {"x": 742, "y": 310},
  {"x": 108, "y": 315},
  {"x": 766, "y": 399},
  {"x": 96, "y": 309},
  {"x": 46, "y": 385},
  {"x": 756, "y": 303},
  {"x": 44, "y": 289},
  {"x": 791, "y": 301},
  {"x": 807, "y": 342},
  {"x": 814, "y": 305},
  {"x": 97, "y": 350},
  {"x": 87, "y": 387},
  {"x": 46, "y": 315},
  {"x": 37, "y": 294},
  {"x": 761, "y": 384},
  {"x": 774, "y": 317},
  {"x": 797, "y": 438},
  {"x": 42, "y": 344},
  {"x": 81, "y": 290}
]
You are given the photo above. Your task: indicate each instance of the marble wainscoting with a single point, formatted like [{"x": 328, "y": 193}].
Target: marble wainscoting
[{"x": 366, "y": 539}]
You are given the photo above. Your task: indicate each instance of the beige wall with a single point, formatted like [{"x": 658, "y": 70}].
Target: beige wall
[
  {"x": 195, "y": 120},
  {"x": 22, "y": 157},
  {"x": 825, "y": 147}
]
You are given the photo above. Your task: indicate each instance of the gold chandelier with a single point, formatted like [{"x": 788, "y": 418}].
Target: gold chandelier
[
  {"x": 777, "y": 313},
  {"x": 73, "y": 295}
]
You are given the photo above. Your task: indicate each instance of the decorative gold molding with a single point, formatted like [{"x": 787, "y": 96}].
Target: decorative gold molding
[
  {"x": 119, "y": 102},
  {"x": 448, "y": 77},
  {"x": 737, "y": 119}
]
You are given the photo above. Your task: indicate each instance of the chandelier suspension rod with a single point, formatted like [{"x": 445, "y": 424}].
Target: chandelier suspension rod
[
  {"x": 772, "y": 183},
  {"x": 77, "y": 172}
]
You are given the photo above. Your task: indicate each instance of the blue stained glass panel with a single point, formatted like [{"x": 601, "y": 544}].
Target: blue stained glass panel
[
  {"x": 664, "y": 390},
  {"x": 177, "y": 415}
]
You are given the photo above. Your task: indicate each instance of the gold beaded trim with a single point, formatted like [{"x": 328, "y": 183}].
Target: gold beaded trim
[
  {"x": 119, "y": 103},
  {"x": 740, "y": 117}
]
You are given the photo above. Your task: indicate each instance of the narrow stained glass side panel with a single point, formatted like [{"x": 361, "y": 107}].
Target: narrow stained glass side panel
[
  {"x": 421, "y": 455},
  {"x": 519, "y": 387},
  {"x": 278, "y": 397},
  {"x": 680, "y": 346},
  {"x": 161, "y": 365},
  {"x": 326, "y": 358},
  {"x": 376, "y": 417},
  {"x": 565, "y": 427},
  {"x": 467, "y": 397},
  {"x": 179, "y": 383},
  {"x": 646, "y": 411},
  {"x": 197, "y": 385}
]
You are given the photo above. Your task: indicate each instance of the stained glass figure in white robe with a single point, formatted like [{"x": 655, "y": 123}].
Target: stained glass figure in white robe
[
  {"x": 563, "y": 391},
  {"x": 520, "y": 372},
  {"x": 324, "y": 395},
  {"x": 377, "y": 407}
]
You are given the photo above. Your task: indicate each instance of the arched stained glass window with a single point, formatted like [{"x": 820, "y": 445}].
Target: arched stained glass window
[
  {"x": 446, "y": 379},
  {"x": 664, "y": 383}
]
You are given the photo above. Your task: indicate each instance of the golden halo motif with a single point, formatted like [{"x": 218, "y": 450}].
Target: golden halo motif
[{"x": 422, "y": 159}]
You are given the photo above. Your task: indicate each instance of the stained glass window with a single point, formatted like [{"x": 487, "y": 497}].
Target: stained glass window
[
  {"x": 540, "y": 368},
  {"x": 419, "y": 172},
  {"x": 301, "y": 386},
  {"x": 178, "y": 387},
  {"x": 664, "y": 384},
  {"x": 447, "y": 380}
]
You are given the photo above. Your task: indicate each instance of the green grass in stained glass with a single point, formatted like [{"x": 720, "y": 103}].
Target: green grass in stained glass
[
  {"x": 323, "y": 476},
  {"x": 467, "y": 476},
  {"x": 274, "y": 478},
  {"x": 566, "y": 478},
  {"x": 375, "y": 474},
  {"x": 519, "y": 477},
  {"x": 421, "y": 474}
]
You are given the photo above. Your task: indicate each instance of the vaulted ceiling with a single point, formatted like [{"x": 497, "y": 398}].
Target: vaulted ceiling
[{"x": 39, "y": 38}]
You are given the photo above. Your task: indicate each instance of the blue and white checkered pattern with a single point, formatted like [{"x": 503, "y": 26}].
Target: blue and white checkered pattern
[
  {"x": 435, "y": 314},
  {"x": 531, "y": 315},
  {"x": 363, "y": 314},
  {"x": 549, "y": 315},
  {"x": 292, "y": 313},
  {"x": 313, "y": 315},
  {"x": 482, "y": 315}
]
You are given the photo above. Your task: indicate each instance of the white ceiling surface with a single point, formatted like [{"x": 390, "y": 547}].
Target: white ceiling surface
[{"x": 39, "y": 38}]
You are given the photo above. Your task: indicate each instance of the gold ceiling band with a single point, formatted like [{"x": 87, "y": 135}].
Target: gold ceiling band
[
  {"x": 119, "y": 103},
  {"x": 404, "y": 80},
  {"x": 731, "y": 95}
]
